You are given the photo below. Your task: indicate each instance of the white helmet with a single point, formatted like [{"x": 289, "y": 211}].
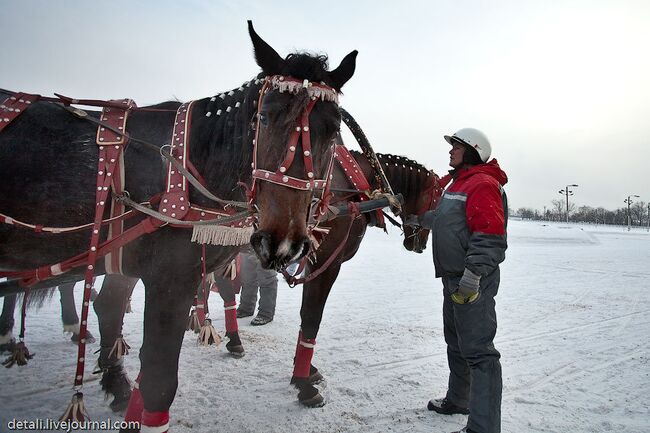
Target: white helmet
[{"x": 473, "y": 138}]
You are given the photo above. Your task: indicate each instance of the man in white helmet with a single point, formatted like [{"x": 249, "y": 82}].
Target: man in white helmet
[{"x": 468, "y": 231}]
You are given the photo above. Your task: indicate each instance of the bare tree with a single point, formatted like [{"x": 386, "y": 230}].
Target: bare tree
[{"x": 637, "y": 212}]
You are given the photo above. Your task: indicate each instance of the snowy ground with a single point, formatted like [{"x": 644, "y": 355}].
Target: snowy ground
[{"x": 573, "y": 333}]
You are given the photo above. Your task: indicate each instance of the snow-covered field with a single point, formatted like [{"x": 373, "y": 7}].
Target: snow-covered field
[{"x": 574, "y": 330}]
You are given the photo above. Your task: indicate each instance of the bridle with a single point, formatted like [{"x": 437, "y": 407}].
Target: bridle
[
  {"x": 433, "y": 194},
  {"x": 302, "y": 134}
]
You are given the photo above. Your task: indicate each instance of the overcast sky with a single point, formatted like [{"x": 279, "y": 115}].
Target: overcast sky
[{"x": 561, "y": 88}]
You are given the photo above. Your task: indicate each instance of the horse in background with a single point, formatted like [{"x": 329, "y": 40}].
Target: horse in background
[
  {"x": 50, "y": 162},
  {"x": 420, "y": 189},
  {"x": 69, "y": 318}
]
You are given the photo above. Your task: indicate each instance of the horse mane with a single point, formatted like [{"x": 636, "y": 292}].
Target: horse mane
[
  {"x": 224, "y": 138},
  {"x": 405, "y": 175}
]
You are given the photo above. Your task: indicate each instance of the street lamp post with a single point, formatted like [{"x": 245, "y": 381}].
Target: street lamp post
[
  {"x": 629, "y": 215},
  {"x": 648, "y": 228},
  {"x": 567, "y": 192}
]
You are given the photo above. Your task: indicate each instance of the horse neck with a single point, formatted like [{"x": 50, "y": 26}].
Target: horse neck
[
  {"x": 405, "y": 176},
  {"x": 222, "y": 143}
]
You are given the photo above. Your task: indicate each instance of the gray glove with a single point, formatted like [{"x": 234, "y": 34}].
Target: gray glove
[{"x": 467, "y": 292}]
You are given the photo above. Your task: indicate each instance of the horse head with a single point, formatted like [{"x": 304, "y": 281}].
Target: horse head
[
  {"x": 297, "y": 121},
  {"x": 429, "y": 191},
  {"x": 421, "y": 190}
]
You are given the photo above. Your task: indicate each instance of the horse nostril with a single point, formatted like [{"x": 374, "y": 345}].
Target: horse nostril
[{"x": 261, "y": 243}]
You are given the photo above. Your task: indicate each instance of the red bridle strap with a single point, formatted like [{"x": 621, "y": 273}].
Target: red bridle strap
[
  {"x": 280, "y": 177},
  {"x": 301, "y": 132}
]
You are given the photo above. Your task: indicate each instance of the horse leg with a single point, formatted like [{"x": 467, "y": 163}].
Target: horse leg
[
  {"x": 7, "y": 340},
  {"x": 110, "y": 306},
  {"x": 227, "y": 293},
  {"x": 168, "y": 302},
  {"x": 69, "y": 315},
  {"x": 314, "y": 297}
]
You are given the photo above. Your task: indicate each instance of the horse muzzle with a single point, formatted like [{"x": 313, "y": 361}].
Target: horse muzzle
[{"x": 275, "y": 254}]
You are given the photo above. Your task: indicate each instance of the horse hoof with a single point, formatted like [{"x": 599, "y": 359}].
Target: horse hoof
[
  {"x": 119, "y": 405},
  {"x": 308, "y": 395},
  {"x": 315, "y": 378},
  {"x": 236, "y": 351},
  {"x": 315, "y": 401},
  {"x": 8, "y": 346}
]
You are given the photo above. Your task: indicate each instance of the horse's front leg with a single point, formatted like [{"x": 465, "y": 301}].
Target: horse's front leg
[
  {"x": 227, "y": 293},
  {"x": 168, "y": 298},
  {"x": 110, "y": 307},
  {"x": 314, "y": 297},
  {"x": 7, "y": 341}
]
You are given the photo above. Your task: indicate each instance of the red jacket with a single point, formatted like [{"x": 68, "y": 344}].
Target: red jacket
[{"x": 469, "y": 225}]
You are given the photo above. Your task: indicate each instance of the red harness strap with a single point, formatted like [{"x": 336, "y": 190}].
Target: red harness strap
[
  {"x": 14, "y": 106},
  {"x": 109, "y": 174},
  {"x": 175, "y": 202},
  {"x": 116, "y": 118},
  {"x": 354, "y": 173}
]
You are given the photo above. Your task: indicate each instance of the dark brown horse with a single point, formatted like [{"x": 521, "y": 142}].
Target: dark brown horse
[
  {"x": 419, "y": 187},
  {"x": 49, "y": 160}
]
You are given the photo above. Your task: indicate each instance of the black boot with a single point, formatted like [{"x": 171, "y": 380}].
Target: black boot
[{"x": 446, "y": 407}]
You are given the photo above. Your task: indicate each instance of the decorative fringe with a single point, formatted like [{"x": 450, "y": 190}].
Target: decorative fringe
[
  {"x": 76, "y": 410},
  {"x": 20, "y": 355},
  {"x": 128, "y": 306},
  {"x": 120, "y": 348},
  {"x": 325, "y": 94},
  {"x": 193, "y": 322},
  {"x": 221, "y": 235},
  {"x": 208, "y": 334}
]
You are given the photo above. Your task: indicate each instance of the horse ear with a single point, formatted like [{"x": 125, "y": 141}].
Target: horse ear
[
  {"x": 345, "y": 70},
  {"x": 266, "y": 57}
]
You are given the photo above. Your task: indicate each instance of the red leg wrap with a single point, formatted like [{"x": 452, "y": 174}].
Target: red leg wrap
[
  {"x": 304, "y": 353},
  {"x": 154, "y": 422},
  {"x": 136, "y": 404},
  {"x": 231, "y": 316},
  {"x": 297, "y": 345}
]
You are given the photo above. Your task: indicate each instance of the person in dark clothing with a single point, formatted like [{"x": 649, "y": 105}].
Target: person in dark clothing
[
  {"x": 468, "y": 230},
  {"x": 254, "y": 278}
]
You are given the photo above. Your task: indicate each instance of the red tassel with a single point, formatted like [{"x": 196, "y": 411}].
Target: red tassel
[
  {"x": 193, "y": 323},
  {"x": 160, "y": 420},
  {"x": 20, "y": 355},
  {"x": 120, "y": 348},
  {"x": 76, "y": 410},
  {"x": 208, "y": 334},
  {"x": 136, "y": 404}
]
